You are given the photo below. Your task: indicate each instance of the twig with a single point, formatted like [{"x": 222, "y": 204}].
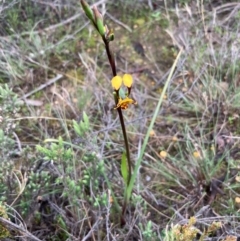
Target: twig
[
  {"x": 119, "y": 22},
  {"x": 18, "y": 228},
  {"x": 18, "y": 142},
  {"x": 226, "y": 7},
  {"x": 150, "y": 4},
  {"x": 49, "y": 82},
  {"x": 233, "y": 12},
  {"x": 94, "y": 227}
]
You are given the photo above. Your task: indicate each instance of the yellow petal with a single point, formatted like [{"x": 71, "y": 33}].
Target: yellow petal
[
  {"x": 196, "y": 154},
  {"x": 174, "y": 138},
  {"x": 237, "y": 178},
  {"x": 212, "y": 148},
  {"x": 110, "y": 199},
  {"x": 237, "y": 199},
  {"x": 152, "y": 133},
  {"x": 127, "y": 80},
  {"x": 163, "y": 154},
  {"x": 123, "y": 103},
  {"x": 116, "y": 82}
]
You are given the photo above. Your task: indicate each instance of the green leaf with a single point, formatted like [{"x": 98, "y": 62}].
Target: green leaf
[
  {"x": 110, "y": 35},
  {"x": 77, "y": 128},
  {"x": 82, "y": 126},
  {"x": 122, "y": 93},
  {"x": 86, "y": 120},
  {"x": 99, "y": 21},
  {"x": 88, "y": 11},
  {"x": 124, "y": 168},
  {"x": 100, "y": 26},
  {"x": 60, "y": 141},
  {"x": 153, "y": 119}
]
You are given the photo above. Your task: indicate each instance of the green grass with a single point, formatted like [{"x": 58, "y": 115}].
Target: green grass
[{"x": 57, "y": 178}]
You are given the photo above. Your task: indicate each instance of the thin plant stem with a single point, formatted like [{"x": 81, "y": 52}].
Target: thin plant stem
[
  {"x": 110, "y": 57},
  {"x": 114, "y": 72},
  {"x": 120, "y": 114},
  {"x": 97, "y": 20}
]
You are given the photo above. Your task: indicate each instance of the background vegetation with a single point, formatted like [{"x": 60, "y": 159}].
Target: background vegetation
[{"x": 57, "y": 178}]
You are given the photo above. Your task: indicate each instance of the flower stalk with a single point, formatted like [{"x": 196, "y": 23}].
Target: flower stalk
[{"x": 107, "y": 36}]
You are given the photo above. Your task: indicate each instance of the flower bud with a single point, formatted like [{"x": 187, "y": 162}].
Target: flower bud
[
  {"x": 110, "y": 35},
  {"x": 88, "y": 11},
  {"x": 99, "y": 21}
]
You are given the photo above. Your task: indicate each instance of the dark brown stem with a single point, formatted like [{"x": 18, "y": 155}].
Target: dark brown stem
[
  {"x": 110, "y": 57},
  {"x": 126, "y": 143},
  {"x": 114, "y": 72}
]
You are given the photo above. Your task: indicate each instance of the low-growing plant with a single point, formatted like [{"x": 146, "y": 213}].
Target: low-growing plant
[
  {"x": 9, "y": 110},
  {"x": 4, "y": 232},
  {"x": 69, "y": 186},
  {"x": 147, "y": 232},
  {"x": 190, "y": 232},
  {"x": 122, "y": 102}
]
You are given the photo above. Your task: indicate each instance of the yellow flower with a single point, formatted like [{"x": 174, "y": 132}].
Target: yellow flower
[
  {"x": 152, "y": 133},
  {"x": 163, "y": 154},
  {"x": 127, "y": 80},
  {"x": 237, "y": 199},
  {"x": 116, "y": 82},
  {"x": 123, "y": 103},
  {"x": 196, "y": 154},
  {"x": 237, "y": 178}
]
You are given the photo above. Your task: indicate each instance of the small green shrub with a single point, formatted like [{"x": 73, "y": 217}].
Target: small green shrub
[
  {"x": 9, "y": 110},
  {"x": 4, "y": 232}
]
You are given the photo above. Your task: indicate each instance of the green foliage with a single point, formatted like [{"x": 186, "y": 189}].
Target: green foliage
[
  {"x": 182, "y": 3},
  {"x": 22, "y": 16},
  {"x": 38, "y": 182},
  {"x": 63, "y": 235},
  {"x": 189, "y": 231},
  {"x": 124, "y": 168},
  {"x": 83, "y": 126},
  {"x": 92, "y": 179},
  {"x": 88, "y": 11},
  {"x": 150, "y": 128},
  {"x": 4, "y": 232},
  {"x": 5, "y": 191},
  {"x": 57, "y": 151},
  {"x": 74, "y": 183},
  {"x": 159, "y": 18},
  {"x": 148, "y": 233},
  {"x": 67, "y": 173},
  {"x": 10, "y": 106}
]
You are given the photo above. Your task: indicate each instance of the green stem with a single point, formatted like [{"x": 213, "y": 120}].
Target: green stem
[{"x": 139, "y": 160}]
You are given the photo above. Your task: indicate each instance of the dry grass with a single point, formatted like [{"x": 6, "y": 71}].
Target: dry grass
[{"x": 60, "y": 190}]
